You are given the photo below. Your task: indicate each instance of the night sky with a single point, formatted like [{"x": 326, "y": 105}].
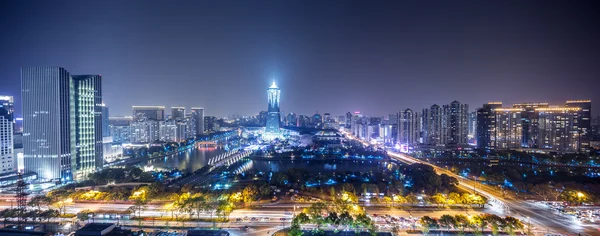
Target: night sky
[{"x": 332, "y": 56}]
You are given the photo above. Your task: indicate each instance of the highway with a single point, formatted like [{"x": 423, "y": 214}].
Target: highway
[{"x": 537, "y": 214}]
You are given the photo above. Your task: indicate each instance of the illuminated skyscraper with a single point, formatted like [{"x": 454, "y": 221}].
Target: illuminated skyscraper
[
  {"x": 584, "y": 122},
  {"x": 198, "y": 115},
  {"x": 273, "y": 117},
  {"x": 6, "y": 137},
  {"x": 409, "y": 127},
  {"x": 62, "y": 123}
]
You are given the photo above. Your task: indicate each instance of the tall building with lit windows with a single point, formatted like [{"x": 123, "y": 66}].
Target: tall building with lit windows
[
  {"x": 409, "y": 127},
  {"x": 272, "y": 130},
  {"x": 7, "y": 156},
  {"x": 535, "y": 126},
  {"x": 88, "y": 124},
  {"x": 62, "y": 123},
  {"x": 198, "y": 115},
  {"x": 584, "y": 121},
  {"x": 458, "y": 123},
  {"x": 509, "y": 128},
  {"x": 486, "y": 125}
]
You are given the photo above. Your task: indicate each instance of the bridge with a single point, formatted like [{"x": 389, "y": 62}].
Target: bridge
[{"x": 229, "y": 158}]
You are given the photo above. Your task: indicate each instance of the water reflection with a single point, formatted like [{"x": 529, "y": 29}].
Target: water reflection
[
  {"x": 189, "y": 160},
  {"x": 320, "y": 166}
]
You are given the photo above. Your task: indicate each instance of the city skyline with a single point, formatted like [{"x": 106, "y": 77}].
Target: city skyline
[{"x": 415, "y": 57}]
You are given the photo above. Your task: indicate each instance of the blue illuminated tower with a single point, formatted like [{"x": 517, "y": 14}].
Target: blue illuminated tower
[{"x": 273, "y": 117}]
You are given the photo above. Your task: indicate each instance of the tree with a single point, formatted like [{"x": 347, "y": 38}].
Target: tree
[
  {"x": 478, "y": 223},
  {"x": 461, "y": 222},
  {"x": 512, "y": 224},
  {"x": 8, "y": 213},
  {"x": 249, "y": 193},
  {"x": 496, "y": 221},
  {"x": 438, "y": 198},
  {"x": 295, "y": 229},
  {"x": 332, "y": 192},
  {"x": 454, "y": 198},
  {"x": 574, "y": 196},
  {"x": 346, "y": 219},
  {"x": 387, "y": 200},
  {"x": 315, "y": 211},
  {"x": 302, "y": 218},
  {"x": 542, "y": 190},
  {"x": 224, "y": 209},
  {"x": 39, "y": 201},
  {"x": 333, "y": 218},
  {"x": 347, "y": 187},
  {"x": 428, "y": 223},
  {"x": 447, "y": 221},
  {"x": 84, "y": 215}
]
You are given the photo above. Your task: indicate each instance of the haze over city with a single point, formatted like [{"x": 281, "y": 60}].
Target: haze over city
[{"x": 385, "y": 55}]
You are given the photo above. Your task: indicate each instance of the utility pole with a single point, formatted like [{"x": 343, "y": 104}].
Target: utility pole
[{"x": 21, "y": 197}]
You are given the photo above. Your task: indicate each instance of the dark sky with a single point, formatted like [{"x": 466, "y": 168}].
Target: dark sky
[{"x": 331, "y": 56}]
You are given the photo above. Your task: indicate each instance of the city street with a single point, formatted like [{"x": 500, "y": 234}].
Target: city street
[{"x": 544, "y": 217}]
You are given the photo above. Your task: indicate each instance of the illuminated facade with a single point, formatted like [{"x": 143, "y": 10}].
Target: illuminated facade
[
  {"x": 458, "y": 123},
  {"x": 272, "y": 130},
  {"x": 509, "y": 130},
  {"x": 409, "y": 127},
  {"x": 584, "y": 122},
  {"x": 198, "y": 115},
  {"x": 486, "y": 125},
  {"x": 88, "y": 124},
  {"x": 62, "y": 123},
  {"x": 6, "y": 135},
  {"x": 535, "y": 126}
]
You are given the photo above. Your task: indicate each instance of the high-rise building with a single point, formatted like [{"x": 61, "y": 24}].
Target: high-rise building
[
  {"x": 348, "y": 120},
  {"x": 6, "y": 138},
  {"x": 596, "y": 128},
  {"x": 210, "y": 124},
  {"x": 509, "y": 128},
  {"x": 168, "y": 131},
  {"x": 145, "y": 130},
  {"x": 8, "y": 102},
  {"x": 291, "y": 120},
  {"x": 458, "y": 123},
  {"x": 151, "y": 112},
  {"x": 177, "y": 113},
  {"x": 317, "y": 120},
  {"x": 472, "y": 124},
  {"x": 120, "y": 129},
  {"x": 273, "y": 117},
  {"x": 486, "y": 125},
  {"x": 435, "y": 126},
  {"x": 409, "y": 127},
  {"x": 558, "y": 128},
  {"x": 88, "y": 124},
  {"x": 584, "y": 122},
  {"x": 535, "y": 125},
  {"x": 198, "y": 115},
  {"x": 62, "y": 123},
  {"x": 529, "y": 123},
  {"x": 105, "y": 122}
]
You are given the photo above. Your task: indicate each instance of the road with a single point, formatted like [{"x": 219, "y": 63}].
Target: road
[
  {"x": 268, "y": 218},
  {"x": 538, "y": 214}
]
